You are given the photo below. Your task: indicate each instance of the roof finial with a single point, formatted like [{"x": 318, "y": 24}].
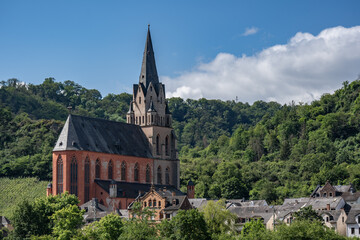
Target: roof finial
[{"x": 148, "y": 26}]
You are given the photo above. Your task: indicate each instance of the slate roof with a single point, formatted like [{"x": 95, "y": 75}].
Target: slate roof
[
  {"x": 320, "y": 203},
  {"x": 350, "y": 197},
  {"x": 99, "y": 135},
  {"x": 198, "y": 202},
  {"x": 335, "y": 213},
  {"x": 249, "y": 203},
  {"x": 265, "y": 212},
  {"x": 295, "y": 200},
  {"x": 174, "y": 203},
  {"x": 354, "y": 211},
  {"x": 94, "y": 210},
  {"x": 339, "y": 189},
  {"x": 134, "y": 190}
]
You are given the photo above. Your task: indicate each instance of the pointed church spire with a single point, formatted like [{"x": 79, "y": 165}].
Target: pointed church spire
[{"x": 148, "y": 69}]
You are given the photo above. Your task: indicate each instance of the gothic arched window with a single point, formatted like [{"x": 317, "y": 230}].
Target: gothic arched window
[
  {"x": 97, "y": 168},
  {"x": 167, "y": 176},
  {"x": 59, "y": 174},
  {"x": 136, "y": 172},
  {"x": 87, "y": 179},
  {"x": 159, "y": 175},
  {"x": 167, "y": 146},
  {"x": 110, "y": 170},
  {"x": 158, "y": 145},
  {"x": 73, "y": 176},
  {"x": 123, "y": 171},
  {"x": 147, "y": 173}
]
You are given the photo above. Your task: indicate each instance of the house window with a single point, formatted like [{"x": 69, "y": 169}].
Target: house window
[
  {"x": 59, "y": 175},
  {"x": 110, "y": 170},
  {"x": 159, "y": 204},
  {"x": 324, "y": 194},
  {"x": 144, "y": 204},
  {"x": 158, "y": 145},
  {"x": 154, "y": 203},
  {"x": 150, "y": 88},
  {"x": 343, "y": 219},
  {"x": 167, "y": 146},
  {"x": 147, "y": 173},
  {"x": 167, "y": 176},
  {"x": 123, "y": 171},
  {"x": 358, "y": 219},
  {"x": 327, "y": 219},
  {"x": 150, "y": 203},
  {"x": 87, "y": 180},
  {"x": 139, "y": 100},
  {"x": 136, "y": 172},
  {"x": 159, "y": 177},
  {"x": 73, "y": 176},
  {"x": 352, "y": 230},
  {"x": 143, "y": 120},
  {"x": 97, "y": 168}
]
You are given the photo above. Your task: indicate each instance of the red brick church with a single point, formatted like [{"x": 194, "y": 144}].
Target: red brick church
[{"x": 113, "y": 161}]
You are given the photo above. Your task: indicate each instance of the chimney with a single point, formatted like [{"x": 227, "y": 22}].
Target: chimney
[
  {"x": 49, "y": 189},
  {"x": 328, "y": 206},
  {"x": 113, "y": 189},
  {"x": 191, "y": 189}
]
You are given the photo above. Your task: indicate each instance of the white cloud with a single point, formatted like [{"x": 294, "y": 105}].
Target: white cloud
[
  {"x": 250, "y": 31},
  {"x": 301, "y": 70}
]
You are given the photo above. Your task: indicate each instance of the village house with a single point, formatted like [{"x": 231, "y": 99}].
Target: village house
[{"x": 165, "y": 202}]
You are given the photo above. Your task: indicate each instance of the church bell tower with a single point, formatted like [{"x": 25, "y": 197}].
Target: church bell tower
[{"x": 149, "y": 109}]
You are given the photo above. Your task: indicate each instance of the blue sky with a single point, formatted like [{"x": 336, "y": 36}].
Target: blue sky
[{"x": 212, "y": 49}]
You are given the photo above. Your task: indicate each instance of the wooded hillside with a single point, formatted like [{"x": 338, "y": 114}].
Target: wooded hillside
[{"x": 229, "y": 149}]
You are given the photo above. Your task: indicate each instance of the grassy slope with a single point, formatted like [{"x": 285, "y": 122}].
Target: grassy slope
[{"x": 13, "y": 191}]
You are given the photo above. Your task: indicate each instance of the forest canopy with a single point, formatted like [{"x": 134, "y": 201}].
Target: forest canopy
[{"x": 228, "y": 149}]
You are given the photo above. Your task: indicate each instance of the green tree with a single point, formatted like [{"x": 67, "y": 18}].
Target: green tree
[
  {"x": 254, "y": 229},
  {"x": 219, "y": 220},
  {"x": 67, "y": 222},
  {"x": 186, "y": 225},
  {"x": 305, "y": 229},
  {"x": 36, "y": 218},
  {"x": 109, "y": 227},
  {"x": 307, "y": 213}
]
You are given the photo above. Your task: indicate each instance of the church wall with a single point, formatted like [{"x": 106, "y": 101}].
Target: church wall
[{"x": 104, "y": 159}]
